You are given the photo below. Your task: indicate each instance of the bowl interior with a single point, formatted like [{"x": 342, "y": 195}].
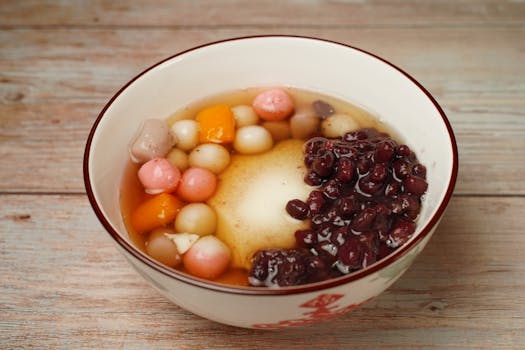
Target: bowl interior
[{"x": 308, "y": 64}]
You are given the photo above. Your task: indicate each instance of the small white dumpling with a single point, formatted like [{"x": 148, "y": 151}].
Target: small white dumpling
[
  {"x": 187, "y": 134},
  {"x": 179, "y": 158},
  {"x": 210, "y": 156},
  {"x": 252, "y": 139},
  {"x": 196, "y": 218},
  {"x": 244, "y": 115},
  {"x": 338, "y": 124}
]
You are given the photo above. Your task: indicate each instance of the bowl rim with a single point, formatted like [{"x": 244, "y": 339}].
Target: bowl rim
[{"x": 313, "y": 287}]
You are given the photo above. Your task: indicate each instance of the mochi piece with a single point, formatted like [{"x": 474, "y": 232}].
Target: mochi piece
[
  {"x": 251, "y": 199},
  {"x": 152, "y": 140}
]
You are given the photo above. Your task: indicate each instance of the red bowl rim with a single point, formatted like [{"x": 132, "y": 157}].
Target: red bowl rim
[{"x": 197, "y": 282}]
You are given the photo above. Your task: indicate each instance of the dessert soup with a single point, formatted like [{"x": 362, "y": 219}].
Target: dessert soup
[{"x": 270, "y": 187}]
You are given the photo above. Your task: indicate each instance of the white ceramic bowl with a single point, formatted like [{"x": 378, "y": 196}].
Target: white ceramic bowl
[{"x": 307, "y": 63}]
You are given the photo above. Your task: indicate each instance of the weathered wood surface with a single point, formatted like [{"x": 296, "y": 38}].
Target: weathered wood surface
[
  {"x": 229, "y": 13},
  {"x": 63, "y": 284},
  {"x": 54, "y": 82}
]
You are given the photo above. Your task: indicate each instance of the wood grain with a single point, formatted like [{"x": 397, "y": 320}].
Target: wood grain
[
  {"x": 63, "y": 284},
  {"x": 66, "y": 286},
  {"x": 53, "y": 83},
  {"x": 229, "y": 13}
]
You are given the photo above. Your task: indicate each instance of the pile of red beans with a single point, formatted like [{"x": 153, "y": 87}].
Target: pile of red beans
[{"x": 367, "y": 195}]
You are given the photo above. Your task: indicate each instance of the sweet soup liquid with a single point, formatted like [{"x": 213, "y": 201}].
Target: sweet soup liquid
[{"x": 132, "y": 193}]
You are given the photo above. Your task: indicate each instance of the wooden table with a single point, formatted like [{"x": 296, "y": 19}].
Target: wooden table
[{"x": 63, "y": 283}]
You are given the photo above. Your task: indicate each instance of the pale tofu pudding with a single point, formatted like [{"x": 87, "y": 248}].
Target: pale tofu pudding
[{"x": 251, "y": 199}]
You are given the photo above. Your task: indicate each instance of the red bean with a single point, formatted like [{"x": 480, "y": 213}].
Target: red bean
[
  {"x": 297, "y": 209},
  {"x": 368, "y": 187},
  {"x": 332, "y": 189},
  {"x": 350, "y": 253},
  {"x": 384, "y": 151},
  {"x": 401, "y": 169},
  {"x": 315, "y": 202},
  {"x": 346, "y": 207},
  {"x": 419, "y": 170},
  {"x": 363, "y": 220},
  {"x": 403, "y": 151},
  {"x": 368, "y": 196},
  {"x": 345, "y": 170},
  {"x": 363, "y": 166},
  {"x": 415, "y": 185},
  {"x": 306, "y": 238},
  {"x": 323, "y": 109},
  {"x": 378, "y": 173},
  {"x": 312, "y": 179},
  {"x": 400, "y": 233},
  {"x": 323, "y": 164},
  {"x": 392, "y": 188}
]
